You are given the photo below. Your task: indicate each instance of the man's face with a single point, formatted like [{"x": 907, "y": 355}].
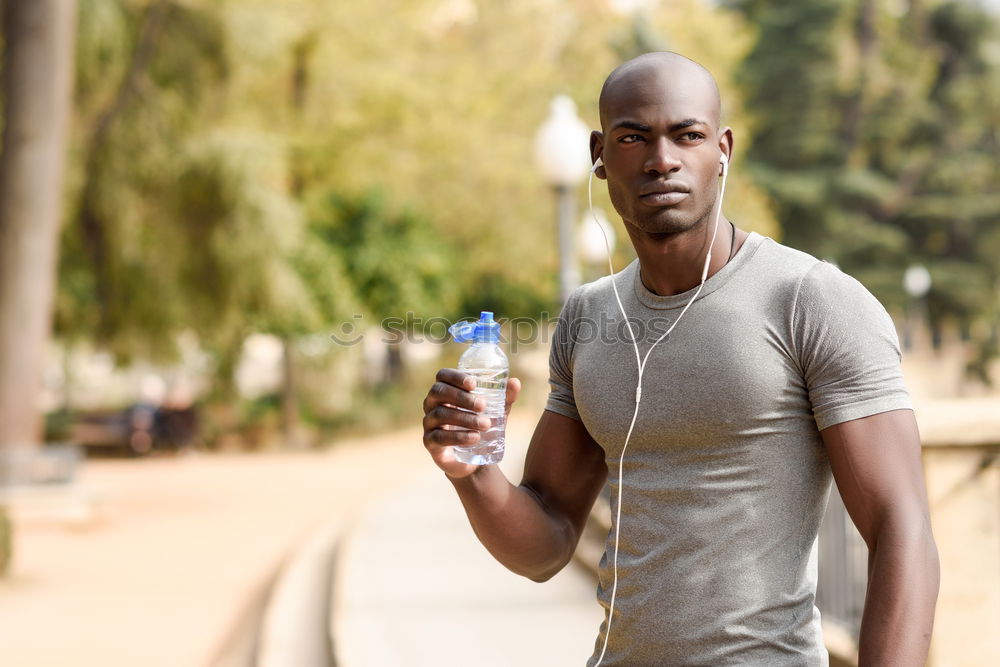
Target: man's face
[{"x": 661, "y": 148}]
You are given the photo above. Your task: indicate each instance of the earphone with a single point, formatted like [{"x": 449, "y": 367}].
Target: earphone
[{"x": 641, "y": 361}]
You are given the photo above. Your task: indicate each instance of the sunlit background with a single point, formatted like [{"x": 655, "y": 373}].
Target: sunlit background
[{"x": 264, "y": 215}]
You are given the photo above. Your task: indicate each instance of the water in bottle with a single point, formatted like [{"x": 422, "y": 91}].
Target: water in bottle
[{"x": 487, "y": 363}]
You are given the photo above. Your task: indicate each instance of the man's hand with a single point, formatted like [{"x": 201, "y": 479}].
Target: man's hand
[
  {"x": 533, "y": 528},
  {"x": 452, "y": 417}
]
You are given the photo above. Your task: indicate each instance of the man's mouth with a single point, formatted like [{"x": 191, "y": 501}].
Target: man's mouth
[
  {"x": 663, "y": 198},
  {"x": 664, "y": 193}
]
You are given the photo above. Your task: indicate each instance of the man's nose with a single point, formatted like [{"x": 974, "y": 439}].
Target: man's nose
[{"x": 661, "y": 158}]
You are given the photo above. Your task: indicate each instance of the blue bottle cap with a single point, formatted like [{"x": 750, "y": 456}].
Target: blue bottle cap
[{"x": 486, "y": 330}]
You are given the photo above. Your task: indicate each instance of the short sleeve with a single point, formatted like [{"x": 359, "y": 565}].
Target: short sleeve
[
  {"x": 847, "y": 348},
  {"x": 561, "y": 399}
]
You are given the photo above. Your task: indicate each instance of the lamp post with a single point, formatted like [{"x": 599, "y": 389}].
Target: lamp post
[
  {"x": 593, "y": 250},
  {"x": 563, "y": 156},
  {"x": 916, "y": 284}
]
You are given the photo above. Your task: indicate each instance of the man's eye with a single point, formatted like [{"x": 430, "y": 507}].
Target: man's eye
[
  {"x": 631, "y": 138},
  {"x": 693, "y": 136}
]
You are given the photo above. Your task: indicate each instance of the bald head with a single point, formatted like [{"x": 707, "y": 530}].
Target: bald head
[{"x": 649, "y": 71}]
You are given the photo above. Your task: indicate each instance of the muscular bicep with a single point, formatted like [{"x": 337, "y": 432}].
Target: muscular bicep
[
  {"x": 876, "y": 464},
  {"x": 564, "y": 469}
]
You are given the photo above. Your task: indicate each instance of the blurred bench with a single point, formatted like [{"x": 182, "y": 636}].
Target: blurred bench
[{"x": 40, "y": 482}]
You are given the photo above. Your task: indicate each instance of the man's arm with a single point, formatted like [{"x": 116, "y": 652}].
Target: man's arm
[
  {"x": 876, "y": 464},
  {"x": 533, "y": 528}
]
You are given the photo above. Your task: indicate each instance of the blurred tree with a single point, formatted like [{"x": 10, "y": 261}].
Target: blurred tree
[
  {"x": 449, "y": 133},
  {"x": 139, "y": 147},
  {"x": 184, "y": 220},
  {"x": 37, "y": 83},
  {"x": 789, "y": 79},
  {"x": 403, "y": 271},
  {"x": 209, "y": 132},
  {"x": 446, "y": 134},
  {"x": 876, "y": 135}
]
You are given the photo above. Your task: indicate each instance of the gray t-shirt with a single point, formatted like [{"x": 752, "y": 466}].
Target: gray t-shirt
[{"x": 725, "y": 477}]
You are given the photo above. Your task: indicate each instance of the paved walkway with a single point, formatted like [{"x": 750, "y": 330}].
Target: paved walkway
[
  {"x": 415, "y": 588},
  {"x": 174, "y": 565},
  {"x": 178, "y": 551}
]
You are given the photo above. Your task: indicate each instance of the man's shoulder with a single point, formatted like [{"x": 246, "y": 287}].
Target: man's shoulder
[
  {"x": 779, "y": 260},
  {"x": 599, "y": 293},
  {"x": 808, "y": 280},
  {"x": 801, "y": 272}
]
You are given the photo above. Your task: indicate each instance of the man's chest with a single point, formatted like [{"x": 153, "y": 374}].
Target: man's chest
[{"x": 713, "y": 379}]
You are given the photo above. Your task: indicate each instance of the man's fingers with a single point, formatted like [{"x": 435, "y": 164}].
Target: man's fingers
[
  {"x": 445, "y": 416},
  {"x": 452, "y": 418},
  {"x": 513, "y": 389},
  {"x": 440, "y": 437},
  {"x": 444, "y": 393},
  {"x": 456, "y": 378}
]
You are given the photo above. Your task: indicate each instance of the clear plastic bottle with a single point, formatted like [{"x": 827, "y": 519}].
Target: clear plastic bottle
[{"x": 488, "y": 364}]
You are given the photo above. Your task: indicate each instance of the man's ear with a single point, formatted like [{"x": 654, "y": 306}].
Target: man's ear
[
  {"x": 596, "y": 151},
  {"x": 726, "y": 143}
]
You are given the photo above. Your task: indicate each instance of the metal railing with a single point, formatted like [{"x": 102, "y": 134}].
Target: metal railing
[{"x": 843, "y": 570}]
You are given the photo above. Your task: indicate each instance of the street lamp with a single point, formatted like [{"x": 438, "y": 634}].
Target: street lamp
[
  {"x": 563, "y": 156},
  {"x": 593, "y": 249},
  {"x": 916, "y": 284}
]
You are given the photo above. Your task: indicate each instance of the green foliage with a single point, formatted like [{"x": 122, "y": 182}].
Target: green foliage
[
  {"x": 876, "y": 136},
  {"x": 395, "y": 262},
  {"x": 245, "y": 165},
  {"x": 121, "y": 261},
  {"x": 508, "y": 297},
  {"x": 181, "y": 222}
]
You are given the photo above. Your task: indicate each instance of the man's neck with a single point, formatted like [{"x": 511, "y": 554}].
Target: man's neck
[{"x": 672, "y": 264}]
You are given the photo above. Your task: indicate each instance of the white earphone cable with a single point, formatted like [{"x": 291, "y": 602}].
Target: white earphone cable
[{"x": 641, "y": 364}]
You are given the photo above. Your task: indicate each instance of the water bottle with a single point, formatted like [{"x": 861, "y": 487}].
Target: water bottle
[{"x": 487, "y": 363}]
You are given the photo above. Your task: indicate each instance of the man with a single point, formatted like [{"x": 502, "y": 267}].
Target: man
[{"x": 783, "y": 373}]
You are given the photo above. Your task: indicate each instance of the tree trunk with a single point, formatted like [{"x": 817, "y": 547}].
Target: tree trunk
[
  {"x": 867, "y": 40},
  {"x": 37, "y": 80},
  {"x": 289, "y": 397},
  {"x": 6, "y": 538},
  {"x": 301, "y": 52},
  {"x": 394, "y": 367},
  {"x": 916, "y": 21}
]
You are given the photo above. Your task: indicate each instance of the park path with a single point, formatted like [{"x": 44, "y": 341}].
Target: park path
[
  {"x": 176, "y": 560},
  {"x": 176, "y": 551},
  {"x": 414, "y": 587}
]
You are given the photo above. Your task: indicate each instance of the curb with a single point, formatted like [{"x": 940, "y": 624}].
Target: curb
[{"x": 293, "y": 630}]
